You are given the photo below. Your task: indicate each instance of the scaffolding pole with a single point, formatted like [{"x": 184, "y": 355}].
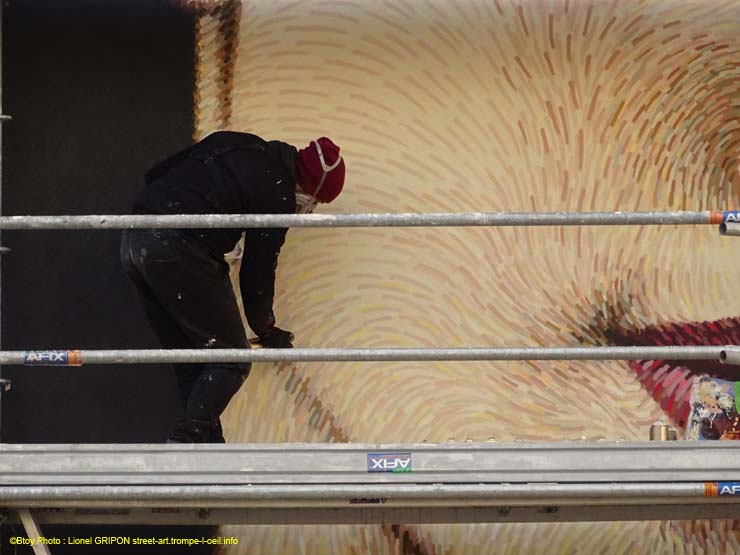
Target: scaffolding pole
[
  {"x": 338, "y": 495},
  {"x": 489, "y": 219},
  {"x": 3, "y": 250},
  {"x": 727, "y": 354},
  {"x": 2, "y": 119}
]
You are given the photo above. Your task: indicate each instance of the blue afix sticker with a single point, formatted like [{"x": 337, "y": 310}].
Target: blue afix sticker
[
  {"x": 52, "y": 358},
  {"x": 731, "y": 216},
  {"x": 728, "y": 488},
  {"x": 389, "y": 462}
]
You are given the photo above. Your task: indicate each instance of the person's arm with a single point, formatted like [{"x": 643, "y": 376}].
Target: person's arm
[{"x": 257, "y": 277}]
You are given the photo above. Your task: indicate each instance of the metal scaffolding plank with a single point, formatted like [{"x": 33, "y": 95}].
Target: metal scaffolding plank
[
  {"x": 481, "y": 463},
  {"x": 360, "y": 483}
]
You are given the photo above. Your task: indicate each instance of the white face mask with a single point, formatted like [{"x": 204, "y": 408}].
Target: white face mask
[{"x": 305, "y": 203}]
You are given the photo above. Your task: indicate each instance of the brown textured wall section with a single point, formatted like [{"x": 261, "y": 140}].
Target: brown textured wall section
[
  {"x": 491, "y": 106},
  {"x": 217, "y": 40}
]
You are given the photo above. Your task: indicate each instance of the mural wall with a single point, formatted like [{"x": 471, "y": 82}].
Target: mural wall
[{"x": 490, "y": 106}]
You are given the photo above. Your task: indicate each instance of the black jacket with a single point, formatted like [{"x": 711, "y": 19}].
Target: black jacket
[{"x": 231, "y": 173}]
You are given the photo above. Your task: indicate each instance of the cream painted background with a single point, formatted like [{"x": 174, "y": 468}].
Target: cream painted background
[{"x": 491, "y": 106}]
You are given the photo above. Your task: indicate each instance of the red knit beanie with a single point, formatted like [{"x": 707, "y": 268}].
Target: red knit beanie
[{"x": 310, "y": 170}]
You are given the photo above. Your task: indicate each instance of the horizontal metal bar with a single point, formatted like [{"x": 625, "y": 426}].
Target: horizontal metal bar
[
  {"x": 731, "y": 229},
  {"x": 206, "y": 221},
  {"x": 327, "y": 464},
  {"x": 349, "y": 495},
  {"x": 158, "y": 356},
  {"x": 378, "y": 514}
]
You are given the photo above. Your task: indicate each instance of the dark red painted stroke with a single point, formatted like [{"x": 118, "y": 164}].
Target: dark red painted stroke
[{"x": 669, "y": 382}]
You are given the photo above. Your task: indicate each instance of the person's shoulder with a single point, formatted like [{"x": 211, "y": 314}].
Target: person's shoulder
[
  {"x": 285, "y": 153},
  {"x": 233, "y": 137},
  {"x": 281, "y": 146}
]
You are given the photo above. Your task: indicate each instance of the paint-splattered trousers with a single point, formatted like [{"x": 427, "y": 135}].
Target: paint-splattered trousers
[{"x": 189, "y": 302}]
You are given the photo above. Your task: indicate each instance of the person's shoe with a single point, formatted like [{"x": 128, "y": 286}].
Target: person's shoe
[{"x": 190, "y": 430}]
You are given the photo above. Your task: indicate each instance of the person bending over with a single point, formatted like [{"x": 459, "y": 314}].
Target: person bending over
[{"x": 181, "y": 275}]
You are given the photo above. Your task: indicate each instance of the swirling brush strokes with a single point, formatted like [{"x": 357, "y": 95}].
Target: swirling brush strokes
[{"x": 487, "y": 105}]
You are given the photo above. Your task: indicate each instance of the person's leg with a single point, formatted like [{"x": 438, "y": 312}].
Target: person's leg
[
  {"x": 170, "y": 336},
  {"x": 193, "y": 287},
  {"x": 165, "y": 327},
  {"x": 217, "y": 433}
]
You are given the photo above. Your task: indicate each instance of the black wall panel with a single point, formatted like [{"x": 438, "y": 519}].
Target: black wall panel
[{"x": 98, "y": 91}]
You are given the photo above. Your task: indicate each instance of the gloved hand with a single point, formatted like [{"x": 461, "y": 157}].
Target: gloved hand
[{"x": 277, "y": 339}]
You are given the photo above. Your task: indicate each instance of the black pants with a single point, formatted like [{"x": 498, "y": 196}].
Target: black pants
[{"x": 189, "y": 301}]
